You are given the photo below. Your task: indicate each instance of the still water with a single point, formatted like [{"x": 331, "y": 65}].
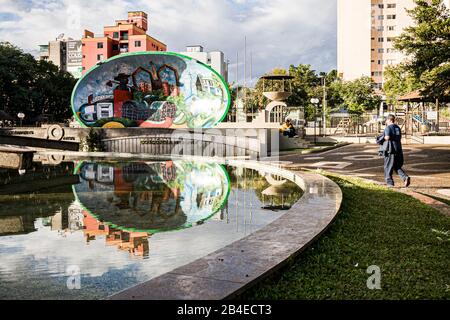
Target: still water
[{"x": 86, "y": 230}]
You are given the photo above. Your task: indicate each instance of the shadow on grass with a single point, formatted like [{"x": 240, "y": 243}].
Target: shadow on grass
[{"x": 408, "y": 240}]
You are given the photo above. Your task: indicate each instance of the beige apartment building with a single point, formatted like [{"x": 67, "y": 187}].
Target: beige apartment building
[{"x": 366, "y": 31}]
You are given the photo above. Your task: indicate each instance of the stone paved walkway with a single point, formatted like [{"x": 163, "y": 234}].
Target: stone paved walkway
[{"x": 428, "y": 166}]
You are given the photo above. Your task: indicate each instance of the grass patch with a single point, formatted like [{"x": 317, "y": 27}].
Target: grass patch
[{"x": 408, "y": 240}]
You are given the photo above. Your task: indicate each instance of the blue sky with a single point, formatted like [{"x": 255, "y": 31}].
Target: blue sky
[{"x": 279, "y": 32}]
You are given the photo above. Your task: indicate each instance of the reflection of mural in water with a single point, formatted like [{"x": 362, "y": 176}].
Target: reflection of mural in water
[
  {"x": 152, "y": 197},
  {"x": 158, "y": 90}
]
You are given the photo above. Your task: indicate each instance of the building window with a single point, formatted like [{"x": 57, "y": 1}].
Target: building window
[
  {"x": 391, "y": 28},
  {"x": 100, "y": 45},
  {"x": 380, "y": 62},
  {"x": 380, "y": 28},
  {"x": 391, "y": 16},
  {"x": 381, "y": 6},
  {"x": 99, "y": 57},
  {"x": 381, "y": 17},
  {"x": 391, "y": 5},
  {"x": 381, "y": 50},
  {"x": 115, "y": 47},
  {"x": 378, "y": 86},
  {"x": 390, "y": 39},
  {"x": 137, "y": 44},
  {"x": 380, "y": 39},
  {"x": 116, "y": 35}
]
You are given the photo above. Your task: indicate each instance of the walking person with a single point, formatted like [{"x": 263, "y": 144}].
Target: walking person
[{"x": 392, "y": 151}]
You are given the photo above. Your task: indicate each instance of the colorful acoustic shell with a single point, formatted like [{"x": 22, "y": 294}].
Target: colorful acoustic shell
[
  {"x": 151, "y": 90},
  {"x": 152, "y": 197}
]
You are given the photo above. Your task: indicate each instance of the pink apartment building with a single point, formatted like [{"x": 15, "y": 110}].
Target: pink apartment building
[{"x": 125, "y": 36}]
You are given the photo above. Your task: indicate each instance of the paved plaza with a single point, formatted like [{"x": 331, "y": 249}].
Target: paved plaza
[{"x": 428, "y": 165}]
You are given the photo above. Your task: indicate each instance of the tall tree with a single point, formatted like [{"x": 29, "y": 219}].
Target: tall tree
[
  {"x": 398, "y": 81},
  {"x": 358, "y": 96},
  {"x": 33, "y": 87},
  {"x": 427, "y": 43}
]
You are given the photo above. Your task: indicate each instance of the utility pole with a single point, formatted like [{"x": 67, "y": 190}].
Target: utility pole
[
  {"x": 251, "y": 77},
  {"x": 237, "y": 80},
  {"x": 245, "y": 72},
  {"x": 324, "y": 106}
]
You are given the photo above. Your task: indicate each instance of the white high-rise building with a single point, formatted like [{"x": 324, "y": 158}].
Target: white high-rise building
[
  {"x": 366, "y": 33},
  {"x": 214, "y": 59}
]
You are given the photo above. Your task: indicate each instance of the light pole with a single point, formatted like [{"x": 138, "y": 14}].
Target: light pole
[
  {"x": 21, "y": 116},
  {"x": 315, "y": 102},
  {"x": 324, "y": 105}
]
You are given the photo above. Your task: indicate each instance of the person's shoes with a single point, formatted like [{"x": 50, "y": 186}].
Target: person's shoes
[{"x": 407, "y": 182}]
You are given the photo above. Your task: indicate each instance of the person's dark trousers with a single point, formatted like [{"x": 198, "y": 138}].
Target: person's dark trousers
[
  {"x": 393, "y": 163},
  {"x": 289, "y": 133}
]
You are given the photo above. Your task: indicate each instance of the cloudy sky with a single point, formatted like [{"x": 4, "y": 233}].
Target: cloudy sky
[{"x": 279, "y": 32}]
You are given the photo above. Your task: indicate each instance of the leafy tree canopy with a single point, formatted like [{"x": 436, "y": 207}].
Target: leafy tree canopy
[
  {"x": 33, "y": 87},
  {"x": 398, "y": 82},
  {"x": 427, "y": 44}
]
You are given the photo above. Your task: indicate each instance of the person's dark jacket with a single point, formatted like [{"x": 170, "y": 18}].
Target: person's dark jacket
[{"x": 385, "y": 146}]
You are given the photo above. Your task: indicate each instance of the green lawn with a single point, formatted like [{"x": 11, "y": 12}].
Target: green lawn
[{"x": 408, "y": 240}]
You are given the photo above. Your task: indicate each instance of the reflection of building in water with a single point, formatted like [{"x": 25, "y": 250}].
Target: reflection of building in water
[
  {"x": 136, "y": 243},
  {"x": 59, "y": 222},
  {"x": 75, "y": 217}
]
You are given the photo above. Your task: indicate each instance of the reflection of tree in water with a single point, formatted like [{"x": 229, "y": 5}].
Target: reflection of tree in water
[
  {"x": 249, "y": 179},
  {"x": 42, "y": 192}
]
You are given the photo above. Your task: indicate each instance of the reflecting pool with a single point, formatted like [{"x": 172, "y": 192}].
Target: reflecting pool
[{"x": 86, "y": 230}]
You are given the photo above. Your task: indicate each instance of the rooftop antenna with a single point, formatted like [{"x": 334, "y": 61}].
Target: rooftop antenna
[
  {"x": 251, "y": 76},
  {"x": 251, "y": 68},
  {"x": 245, "y": 70},
  {"x": 237, "y": 78}
]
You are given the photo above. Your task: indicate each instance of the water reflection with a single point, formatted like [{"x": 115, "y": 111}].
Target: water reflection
[
  {"x": 152, "y": 197},
  {"x": 124, "y": 222}
]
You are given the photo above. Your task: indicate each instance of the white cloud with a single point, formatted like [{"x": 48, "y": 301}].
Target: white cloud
[{"x": 279, "y": 32}]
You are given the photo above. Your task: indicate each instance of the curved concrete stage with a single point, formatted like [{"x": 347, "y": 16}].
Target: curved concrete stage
[{"x": 231, "y": 270}]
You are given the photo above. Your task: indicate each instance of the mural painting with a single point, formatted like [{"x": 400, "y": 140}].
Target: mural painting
[{"x": 151, "y": 90}]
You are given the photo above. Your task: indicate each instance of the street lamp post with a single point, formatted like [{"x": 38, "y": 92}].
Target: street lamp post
[
  {"x": 324, "y": 106},
  {"x": 315, "y": 102},
  {"x": 21, "y": 116}
]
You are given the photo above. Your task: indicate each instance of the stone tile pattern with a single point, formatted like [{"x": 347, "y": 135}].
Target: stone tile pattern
[{"x": 231, "y": 270}]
